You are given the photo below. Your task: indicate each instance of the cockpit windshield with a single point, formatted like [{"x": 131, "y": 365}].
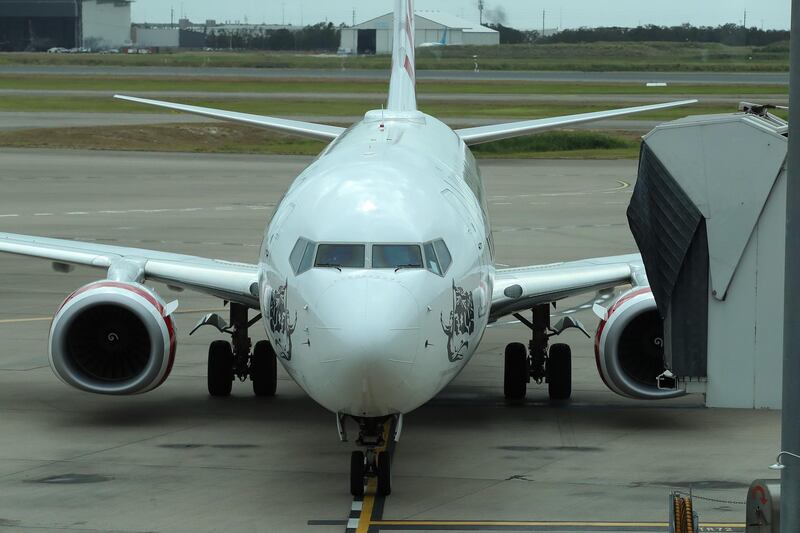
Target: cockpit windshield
[
  {"x": 340, "y": 256},
  {"x": 396, "y": 256},
  {"x": 432, "y": 256}
]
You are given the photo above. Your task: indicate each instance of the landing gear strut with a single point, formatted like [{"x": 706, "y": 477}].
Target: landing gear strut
[
  {"x": 228, "y": 361},
  {"x": 537, "y": 362},
  {"x": 373, "y": 462}
]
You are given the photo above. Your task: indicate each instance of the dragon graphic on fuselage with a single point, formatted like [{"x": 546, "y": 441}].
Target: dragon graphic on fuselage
[
  {"x": 461, "y": 325},
  {"x": 279, "y": 322}
]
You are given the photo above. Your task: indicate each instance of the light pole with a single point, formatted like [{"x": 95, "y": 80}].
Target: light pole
[{"x": 790, "y": 428}]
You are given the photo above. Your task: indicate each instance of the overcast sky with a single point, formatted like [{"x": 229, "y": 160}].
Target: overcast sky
[{"x": 518, "y": 13}]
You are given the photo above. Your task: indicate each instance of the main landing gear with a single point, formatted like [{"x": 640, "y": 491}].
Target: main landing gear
[
  {"x": 537, "y": 362},
  {"x": 228, "y": 361},
  {"x": 375, "y": 461}
]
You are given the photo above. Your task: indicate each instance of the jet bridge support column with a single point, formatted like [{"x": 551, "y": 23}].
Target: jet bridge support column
[{"x": 790, "y": 429}]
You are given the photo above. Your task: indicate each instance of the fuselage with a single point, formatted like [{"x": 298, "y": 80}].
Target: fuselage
[{"x": 377, "y": 266}]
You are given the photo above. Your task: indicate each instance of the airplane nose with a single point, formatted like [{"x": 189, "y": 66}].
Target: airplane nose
[{"x": 366, "y": 343}]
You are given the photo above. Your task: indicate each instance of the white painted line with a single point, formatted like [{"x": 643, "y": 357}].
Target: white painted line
[
  {"x": 78, "y": 213},
  {"x": 6, "y": 216},
  {"x": 43, "y": 214},
  {"x": 352, "y": 523},
  {"x": 357, "y": 506}
]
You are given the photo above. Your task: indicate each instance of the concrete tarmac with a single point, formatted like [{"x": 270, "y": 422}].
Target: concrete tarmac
[{"x": 175, "y": 460}]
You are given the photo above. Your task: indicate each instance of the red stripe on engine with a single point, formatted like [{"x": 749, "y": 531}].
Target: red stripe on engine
[
  {"x": 602, "y": 327},
  {"x": 147, "y": 296}
]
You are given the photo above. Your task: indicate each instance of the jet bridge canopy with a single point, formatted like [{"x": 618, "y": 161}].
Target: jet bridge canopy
[{"x": 708, "y": 214}]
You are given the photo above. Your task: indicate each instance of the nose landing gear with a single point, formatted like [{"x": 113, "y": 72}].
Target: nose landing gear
[{"x": 375, "y": 462}]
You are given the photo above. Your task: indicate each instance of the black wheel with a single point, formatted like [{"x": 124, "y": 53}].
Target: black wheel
[
  {"x": 516, "y": 375},
  {"x": 357, "y": 473},
  {"x": 384, "y": 474},
  {"x": 220, "y": 368},
  {"x": 264, "y": 369},
  {"x": 559, "y": 372}
]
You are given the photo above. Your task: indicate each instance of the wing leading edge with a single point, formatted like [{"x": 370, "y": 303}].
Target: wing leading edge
[
  {"x": 497, "y": 132},
  {"x": 520, "y": 289},
  {"x": 320, "y": 132},
  {"x": 235, "y": 282}
]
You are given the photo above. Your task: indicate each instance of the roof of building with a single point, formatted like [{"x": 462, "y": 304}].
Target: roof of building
[{"x": 445, "y": 19}]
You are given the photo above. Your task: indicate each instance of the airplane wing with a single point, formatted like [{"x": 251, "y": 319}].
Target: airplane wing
[
  {"x": 520, "y": 289},
  {"x": 234, "y": 282},
  {"x": 320, "y": 132},
  {"x": 497, "y": 132}
]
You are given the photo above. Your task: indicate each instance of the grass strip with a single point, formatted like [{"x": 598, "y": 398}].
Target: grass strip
[{"x": 229, "y": 138}]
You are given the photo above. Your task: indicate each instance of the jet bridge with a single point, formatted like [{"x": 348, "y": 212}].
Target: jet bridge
[{"x": 708, "y": 213}]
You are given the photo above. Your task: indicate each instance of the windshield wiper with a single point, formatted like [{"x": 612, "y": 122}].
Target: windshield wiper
[
  {"x": 399, "y": 267},
  {"x": 330, "y": 265}
]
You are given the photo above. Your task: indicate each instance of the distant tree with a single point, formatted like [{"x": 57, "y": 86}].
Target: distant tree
[
  {"x": 730, "y": 34},
  {"x": 321, "y": 37},
  {"x": 513, "y": 36}
]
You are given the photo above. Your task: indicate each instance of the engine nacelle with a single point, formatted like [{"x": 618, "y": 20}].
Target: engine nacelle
[
  {"x": 629, "y": 347},
  {"x": 112, "y": 337}
]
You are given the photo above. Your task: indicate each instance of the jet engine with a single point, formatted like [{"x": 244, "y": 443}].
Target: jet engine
[
  {"x": 113, "y": 337},
  {"x": 629, "y": 347}
]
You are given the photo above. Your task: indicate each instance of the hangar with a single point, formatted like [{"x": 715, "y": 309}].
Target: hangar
[
  {"x": 375, "y": 35},
  {"x": 37, "y": 25}
]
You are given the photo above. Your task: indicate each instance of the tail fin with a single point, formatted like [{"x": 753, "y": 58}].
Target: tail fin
[{"x": 402, "y": 87}]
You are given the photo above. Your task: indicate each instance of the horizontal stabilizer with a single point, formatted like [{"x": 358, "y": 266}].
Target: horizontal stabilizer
[
  {"x": 497, "y": 132},
  {"x": 321, "y": 132}
]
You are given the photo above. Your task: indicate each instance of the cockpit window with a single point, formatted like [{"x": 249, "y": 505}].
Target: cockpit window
[
  {"x": 396, "y": 256},
  {"x": 443, "y": 254},
  {"x": 340, "y": 256},
  {"x": 437, "y": 257},
  {"x": 431, "y": 261},
  {"x": 302, "y": 256}
]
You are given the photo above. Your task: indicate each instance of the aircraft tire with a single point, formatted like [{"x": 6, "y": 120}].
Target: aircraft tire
[
  {"x": 384, "y": 474},
  {"x": 559, "y": 372},
  {"x": 264, "y": 369},
  {"x": 357, "y": 473},
  {"x": 220, "y": 369},
  {"x": 515, "y": 376}
]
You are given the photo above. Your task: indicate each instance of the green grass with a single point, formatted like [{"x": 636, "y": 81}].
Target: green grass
[
  {"x": 250, "y": 85},
  {"x": 227, "y": 138},
  {"x": 586, "y": 57},
  {"x": 346, "y": 108}
]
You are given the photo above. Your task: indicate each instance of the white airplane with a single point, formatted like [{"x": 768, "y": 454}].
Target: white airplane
[
  {"x": 433, "y": 44},
  {"x": 375, "y": 282}
]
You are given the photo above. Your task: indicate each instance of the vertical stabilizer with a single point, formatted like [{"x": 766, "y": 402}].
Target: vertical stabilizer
[{"x": 402, "y": 91}]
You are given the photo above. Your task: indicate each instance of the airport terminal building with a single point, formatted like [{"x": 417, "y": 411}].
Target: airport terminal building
[
  {"x": 37, "y": 25},
  {"x": 375, "y": 36}
]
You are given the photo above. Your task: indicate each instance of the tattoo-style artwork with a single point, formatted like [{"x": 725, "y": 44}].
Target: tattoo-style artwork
[
  {"x": 461, "y": 324},
  {"x": 279, "y": 322}
]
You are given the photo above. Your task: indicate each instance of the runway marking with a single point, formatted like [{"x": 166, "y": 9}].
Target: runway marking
[
  {"x": 45, "y": 318},
  {"x": 543, "y": 526},
  {"x": 250, "y": 207},
  {"x": 365, "y": 511}
]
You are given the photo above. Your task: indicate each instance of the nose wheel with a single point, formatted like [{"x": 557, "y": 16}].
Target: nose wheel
[{"x": 373, "y": 462}]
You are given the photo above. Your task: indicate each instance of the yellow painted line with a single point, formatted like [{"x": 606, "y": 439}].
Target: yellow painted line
[
  {"x": 533, "y": 524},
  {"x": 369, "y": 494},
  {"x": 45, "y": 318},
  {"x": 19, "y": 320},
  {"x": 366, "y": 510}
]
